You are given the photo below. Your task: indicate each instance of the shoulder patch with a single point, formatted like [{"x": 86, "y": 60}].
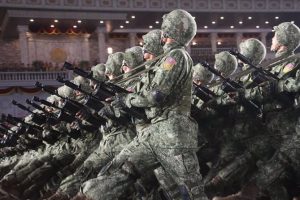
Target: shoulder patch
[
  {"x": 288, "y": 67},
  {"x": 169, "y": 63}
]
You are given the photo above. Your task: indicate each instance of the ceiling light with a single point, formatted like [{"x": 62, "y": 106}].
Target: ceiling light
[
  {"x": 276, "y": 17},
  {"x": 55, "y": 20},
  {"x": 109, "y": 50},
  {"x": 205, "y": 27},
  {"x": 257, "y": 26},
  {"x": 74, "y": 26},
  {"x": 31, "y": 20},
  {"x": 213, "y": 22},
  {"x": 219, "y": 43},
  {"x": 266, "y": 22},
  {"x": 157, "y": 22},
  {"x": 231, "y": 26},
  {"x": 240, "y": 22},
  {"x": 194, "y": 43},
  {"x": 101, "y": 22},
  {"x": 127, "y": 22},
  {"x": 121, "y": 26},
  {"x": 150, "y": 26},
  {"x": 78, "y": 21},
  {"x": 52, "y": 26},
  {"x": 249, "y": 17},
  {"x": 221, "y": 17},
  {"x": 141, "y": 44},
  {"x": 133, "y": 17}
]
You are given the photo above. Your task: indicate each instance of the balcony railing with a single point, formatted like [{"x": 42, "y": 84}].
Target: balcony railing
[{"x": 29, "y": 78}]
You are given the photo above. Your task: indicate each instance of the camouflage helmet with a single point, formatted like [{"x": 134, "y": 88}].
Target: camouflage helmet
[
  {"x": 253, "y": 49},
  {"x": 82, "y": 82},
  {"x": 202, "y": 74},
  {"x": 225, "y": 63},
  {"x": 152, "y": 42},
  {"x": 114, "y": 63},
  {"x": 99, "y": 72},
  {"x": 180, "y": 26},
  {"x": 65, "y": 91},
  {"x": 288, "y": 34},
  {"x": 134, "y": 56}
]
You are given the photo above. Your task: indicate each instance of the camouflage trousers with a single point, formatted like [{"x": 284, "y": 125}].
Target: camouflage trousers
[
  {"x": 111, "y": 144},
  {"x": 171, "y": 143}
]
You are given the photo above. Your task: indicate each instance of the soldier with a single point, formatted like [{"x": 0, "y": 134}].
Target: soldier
[
  {"x": 115, "y": 137},
  {"x": 171, "y": 139},
  {"x": 282, "y": 119}
]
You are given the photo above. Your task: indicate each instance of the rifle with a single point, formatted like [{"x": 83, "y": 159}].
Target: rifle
[
  {"x": 264, "y": 73},
  {"x": 203, "y": 93},
  {"x": 45, "y": 102},
  {"x": 36, "y": 118},
  {"x": 232, "y": 86},
  {"x": 91, "y": 101},
  {"x": 69, "y": 105}
]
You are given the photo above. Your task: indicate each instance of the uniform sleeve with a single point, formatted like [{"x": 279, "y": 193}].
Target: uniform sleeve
[{"x": 170, "y": 74}]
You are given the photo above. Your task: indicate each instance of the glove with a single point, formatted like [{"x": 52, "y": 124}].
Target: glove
[
  {"x": 119, "y": 101},
  {"x": 106, "y": 111}
]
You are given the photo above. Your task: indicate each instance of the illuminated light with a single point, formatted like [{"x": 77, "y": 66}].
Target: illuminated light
[
  {"x": 257, "y": 26},
  {"x": 141, "y": 44},
  {"x": 221, "y": 17},
  {"x": 127, "y": 22},
  {"x": 109, "y": 50},
  {"x": 31, "y": 20},
  {"x": 132, "y": 17},
  {"x": 74, "y": 26},
  {"x": 249, "y": 17},
  {"x": 205, "y": 27},
  {"x": 219, "y": 43},
  {"x": 213, "y": 22},
  {"x": 194, "y": 43},
  {"x": 157, "y": 22},
  {"x": 121, "y": 26},
  {"x": 52, "y": 26},
  {"x": 101, "y": 22},
  {"x": 79, "y": 21},
  {"x": 276, "y": 17},
  {"x": 231, "y": 26},
  {"x": 150, "y": 26},
  {"x": 266, "y": 22},
  {"x": 56, "y": 21},
  {"x": 240, "y": 22}
]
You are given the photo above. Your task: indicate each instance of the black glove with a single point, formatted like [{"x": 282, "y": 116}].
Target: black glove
[
  {"x": 119, "y": 101},
  {"x": 106, "y": 111}
]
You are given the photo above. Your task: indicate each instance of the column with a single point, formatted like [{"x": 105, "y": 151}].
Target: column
[
  {"x": 239, "y": 38},
  {"x": 101, "y": 45},
  {"x": 213, "y": 40},
  {"x": 132, "y": 37},
  {"x": 23, "y": 44},
  {"x": 86, "y": 47},
  {"x": 263, "y": 38},
  {"x": 188, "y": 48}
]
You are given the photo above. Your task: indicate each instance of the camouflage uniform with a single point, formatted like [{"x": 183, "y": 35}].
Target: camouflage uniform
[
  {"x": 115, "y": 137},
  {"x": 282, "y": 120},
  {"x": 171, "y": 139}
]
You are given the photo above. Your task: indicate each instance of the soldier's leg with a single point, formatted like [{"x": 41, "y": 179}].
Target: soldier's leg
[
  {"x": 167, "y": 183},
  {"x": 120, "y": 175},
  {"x": 183, "y": 166}
]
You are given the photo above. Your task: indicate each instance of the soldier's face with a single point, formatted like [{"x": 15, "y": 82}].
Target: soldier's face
[
  {"x": 110, "y": 76},
  {"x": 148, "y": 56},
  {"x": 275, "y": 44}
]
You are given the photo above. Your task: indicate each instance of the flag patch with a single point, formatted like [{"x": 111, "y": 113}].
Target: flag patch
[
  {"x": 288, "y": 67},
  {"x": 169, "y": 63}
]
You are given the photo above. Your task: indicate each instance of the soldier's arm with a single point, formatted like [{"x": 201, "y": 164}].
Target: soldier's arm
[{"x": 167, "y": 77}]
